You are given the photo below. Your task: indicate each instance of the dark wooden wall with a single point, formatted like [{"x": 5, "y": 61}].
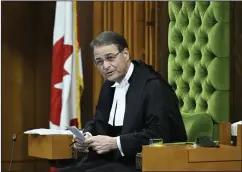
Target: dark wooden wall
[
  {"x": 236, "y": 61},
  {"x": 163, "y": 22},
  {"x": 85, "y": 11},
  {"x": 27, "y": 31},
  {"x": 26, "y": 60}
]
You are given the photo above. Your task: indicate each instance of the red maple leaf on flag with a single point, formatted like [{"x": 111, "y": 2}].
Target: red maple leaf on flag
[{"x": 61, "y": 52}]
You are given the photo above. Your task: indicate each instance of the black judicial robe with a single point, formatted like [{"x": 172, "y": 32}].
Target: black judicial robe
[{"x": 151, "y": 112}]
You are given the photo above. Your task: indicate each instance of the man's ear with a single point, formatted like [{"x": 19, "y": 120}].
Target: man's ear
[{"x": 126, "y": 54}]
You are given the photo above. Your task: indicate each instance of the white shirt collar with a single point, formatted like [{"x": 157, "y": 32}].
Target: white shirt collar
[{"x": 127, "y": 76}]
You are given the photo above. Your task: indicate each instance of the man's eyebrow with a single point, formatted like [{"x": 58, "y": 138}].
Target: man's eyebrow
[
  {"x": 106, "y": 55},
  {"x": 109, "y": 54},
  {"x": 98, "y": 58}
]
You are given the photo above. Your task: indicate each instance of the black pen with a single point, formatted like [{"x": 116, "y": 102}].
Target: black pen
[{"x": 72, "y": 143}]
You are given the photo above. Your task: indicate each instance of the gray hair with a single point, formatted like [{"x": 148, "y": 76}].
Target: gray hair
[{"x": 109, "y": 38}]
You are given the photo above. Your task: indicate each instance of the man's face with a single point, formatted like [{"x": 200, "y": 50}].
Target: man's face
[{"x": 112, "y": 63}]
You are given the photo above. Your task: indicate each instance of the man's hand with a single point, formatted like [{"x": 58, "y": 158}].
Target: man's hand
[
  {"x": 102, "y": 144},
  {"x": 81, "y": 145}
]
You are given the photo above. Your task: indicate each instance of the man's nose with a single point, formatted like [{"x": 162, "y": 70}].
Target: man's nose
[{"x": 106, "y": 64}]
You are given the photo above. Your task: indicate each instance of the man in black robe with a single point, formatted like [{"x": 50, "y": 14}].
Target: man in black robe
[{"x": 135, "y": 105}]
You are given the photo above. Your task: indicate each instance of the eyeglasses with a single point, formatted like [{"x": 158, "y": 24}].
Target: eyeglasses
[{"x": 109, "y": 57}]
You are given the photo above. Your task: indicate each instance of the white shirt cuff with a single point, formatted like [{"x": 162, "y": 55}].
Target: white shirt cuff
[
  {"x": 119, "y": 145},
  {"x": 88, "y": 134}
]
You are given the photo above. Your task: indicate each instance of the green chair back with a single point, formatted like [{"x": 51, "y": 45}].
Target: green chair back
[{"x": 199, "y": 63}]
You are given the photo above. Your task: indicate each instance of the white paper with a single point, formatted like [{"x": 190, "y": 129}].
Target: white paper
[
  {"x": 44, "y": 131},
  {"x": 76, "y": 132},
  {"x": 234, "y": 127}
]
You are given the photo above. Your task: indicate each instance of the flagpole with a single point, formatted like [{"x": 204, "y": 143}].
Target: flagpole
[{"x": 79, "y": 80}]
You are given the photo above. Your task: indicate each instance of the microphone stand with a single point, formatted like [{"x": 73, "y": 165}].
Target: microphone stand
[{"x": 14, "y": 138}]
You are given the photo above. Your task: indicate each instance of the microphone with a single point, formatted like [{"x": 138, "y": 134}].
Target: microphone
[{"x": 14, "y": 139}]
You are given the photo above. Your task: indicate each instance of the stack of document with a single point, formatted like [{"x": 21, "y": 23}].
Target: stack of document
[
  {"x": 234, "y": 128},
  {"x": 43, "y": 131},
  {"x": 72, "y": 130}
]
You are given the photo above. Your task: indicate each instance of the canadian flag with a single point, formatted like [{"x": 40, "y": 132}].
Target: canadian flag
[{"x": 67, "y": 76}]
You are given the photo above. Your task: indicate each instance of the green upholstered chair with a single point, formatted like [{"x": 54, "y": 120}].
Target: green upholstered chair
[{"x": 198, "y": 64}]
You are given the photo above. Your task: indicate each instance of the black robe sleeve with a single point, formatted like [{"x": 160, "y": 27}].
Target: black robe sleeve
[{"x": 162, "y": 118}]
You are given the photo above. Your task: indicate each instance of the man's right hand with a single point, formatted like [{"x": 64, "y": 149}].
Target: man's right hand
[{"x": 80, "y": 144}]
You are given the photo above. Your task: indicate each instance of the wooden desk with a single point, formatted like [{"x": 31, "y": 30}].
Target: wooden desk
[
  {"x": 50, "y": 147},
  {"x": 189, "y": 158},
  {"x": 178, "y": 157}
]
